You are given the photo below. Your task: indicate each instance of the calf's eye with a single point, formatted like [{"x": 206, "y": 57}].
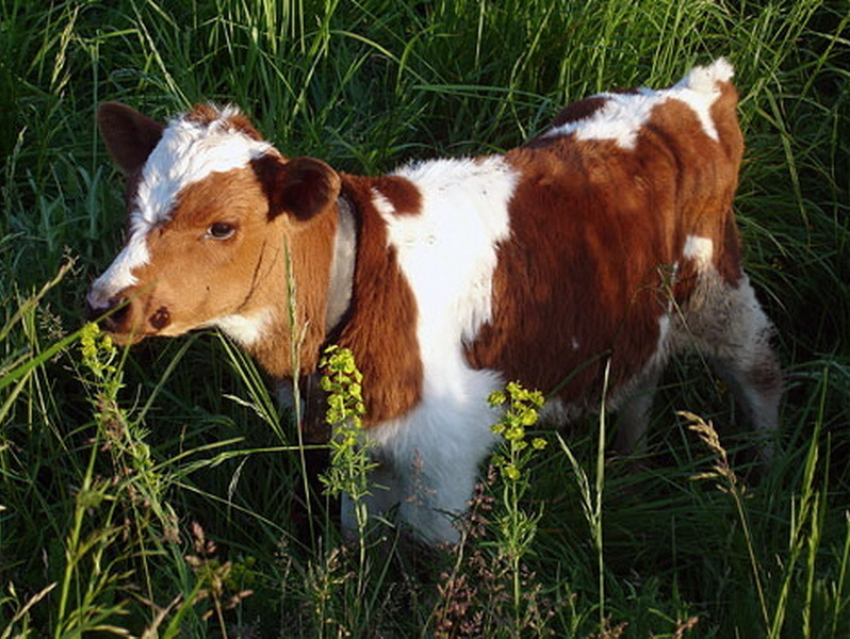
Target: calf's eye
[{"x": 221, "y": 231}]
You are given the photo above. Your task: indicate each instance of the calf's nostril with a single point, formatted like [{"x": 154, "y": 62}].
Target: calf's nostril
[
  {"x": 161, "y": 318},
  {"x": 120, "y": 310},
  {"x": 109, "y": 316}
]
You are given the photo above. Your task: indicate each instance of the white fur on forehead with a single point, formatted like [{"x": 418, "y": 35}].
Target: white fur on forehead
[{"x": 190, "y": 150}]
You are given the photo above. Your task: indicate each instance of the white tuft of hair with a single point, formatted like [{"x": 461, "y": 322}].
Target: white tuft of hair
[{"x": 705, "y": 79}]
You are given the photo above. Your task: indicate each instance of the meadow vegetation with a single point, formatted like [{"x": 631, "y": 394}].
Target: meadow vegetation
[{"x": 160, "y": 492}]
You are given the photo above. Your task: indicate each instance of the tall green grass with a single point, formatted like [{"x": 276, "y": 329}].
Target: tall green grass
[{"x": 159, "y": 492}]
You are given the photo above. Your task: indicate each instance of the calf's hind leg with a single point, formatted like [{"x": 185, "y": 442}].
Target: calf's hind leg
[{"x": 727, "y": 324}]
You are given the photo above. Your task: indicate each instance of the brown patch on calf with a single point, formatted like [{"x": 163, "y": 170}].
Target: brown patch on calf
[
  {"x": 579, "y": 281},
  {"x": 574, "y": 112},
  {"x": 595, "y": 231},
  {"x": 400, "y": 192},
  {"x": 579, "y": 110},
  {"x": 706, "y": 185},
  {"x": 381, "y": 324},
  {"x": 205, "y": 115},
  {"x": 723, "y": 113},
  {"x": 310, "y": 251}
]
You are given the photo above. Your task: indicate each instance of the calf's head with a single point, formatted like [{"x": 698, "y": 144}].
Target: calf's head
[{"x": 215, "y": 214}]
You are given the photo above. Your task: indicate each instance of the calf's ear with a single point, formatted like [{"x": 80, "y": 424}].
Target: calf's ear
[
  {"x": 129, "y": 136},
  {"x": 301, "y": 187}
]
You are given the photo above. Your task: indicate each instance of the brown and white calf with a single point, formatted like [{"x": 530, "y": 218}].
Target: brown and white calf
[{"x": 609, "y": 237}]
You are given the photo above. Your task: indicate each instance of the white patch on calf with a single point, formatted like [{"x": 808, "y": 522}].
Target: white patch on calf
[
  {"x": 119, "y": 275},
  {"x": 245, "y": 330},
  {"x": 700, "y": 250},
  {"x": 623, "y": 115},
  {"x": 434, "y": 452},
  {"x": 663, "y": 332},
  {"x": 705, "y": 79},
  {"x": 448, "y": 253},
  {"x": 448, "y": 250}
]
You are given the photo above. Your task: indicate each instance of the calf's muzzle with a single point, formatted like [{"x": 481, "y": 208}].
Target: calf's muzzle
[{"x": 125, "y": 316}]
